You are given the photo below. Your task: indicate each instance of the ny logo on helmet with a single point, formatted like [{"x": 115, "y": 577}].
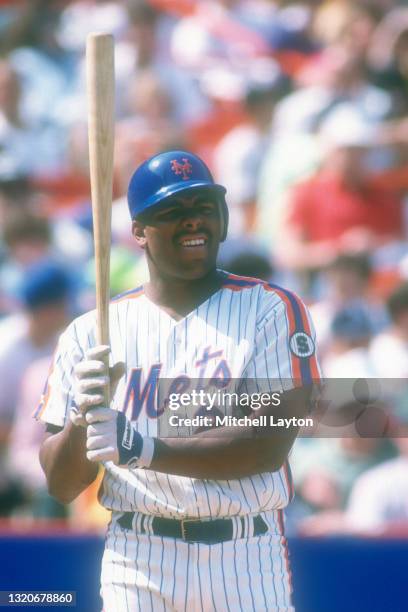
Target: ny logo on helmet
[{"x": 184, "y": 168}]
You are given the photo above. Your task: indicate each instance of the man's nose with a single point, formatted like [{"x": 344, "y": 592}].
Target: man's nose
[{"x": 192, "y": 221}]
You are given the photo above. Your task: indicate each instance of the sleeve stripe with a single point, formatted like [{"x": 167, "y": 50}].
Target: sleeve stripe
[
  {"x": 297, "y": 371},
  {"x": 285, "y": 548},
  {"x": 236, "y": 283},
  {"x": 46, "y": 393},
  {"x": 305, "y": 369},
  {"x": 289, "y": 480}
]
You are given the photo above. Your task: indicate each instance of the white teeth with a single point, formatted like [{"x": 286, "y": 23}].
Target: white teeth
[{"x": 197, "y": 242}]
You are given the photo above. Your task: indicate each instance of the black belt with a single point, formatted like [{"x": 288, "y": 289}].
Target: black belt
[{"x": 194, "y": 530}]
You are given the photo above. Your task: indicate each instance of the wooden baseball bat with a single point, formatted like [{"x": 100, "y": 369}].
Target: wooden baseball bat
[{"x": 100, "y": 95}]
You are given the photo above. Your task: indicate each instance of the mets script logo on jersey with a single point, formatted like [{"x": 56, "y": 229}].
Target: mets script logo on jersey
[
  {"x": 302, "y": 344},
  {"x": 210, "y": 368},
  {"x": 184, "y": 168}
]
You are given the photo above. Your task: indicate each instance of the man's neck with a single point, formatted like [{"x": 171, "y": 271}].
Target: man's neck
[{"x": 179, "y": 296}]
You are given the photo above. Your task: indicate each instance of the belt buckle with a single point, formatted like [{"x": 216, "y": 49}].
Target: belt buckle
[{"x": 183, "y": 526}]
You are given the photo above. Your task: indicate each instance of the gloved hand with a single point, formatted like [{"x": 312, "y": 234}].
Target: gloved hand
[
  {"x": 91, "y": 378},
  {"x": 112, "y": 437}
]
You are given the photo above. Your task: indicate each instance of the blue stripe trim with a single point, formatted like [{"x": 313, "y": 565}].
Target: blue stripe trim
[
  {"x": 305, "y": 369},
  {"x": 242, "y": 283},
  {"x": 127, "y": 293}
]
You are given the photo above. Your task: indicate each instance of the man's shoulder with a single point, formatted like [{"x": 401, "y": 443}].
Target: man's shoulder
[
  {"x": 267, "y": 293},
  {"x": 83, "y": 326},
  {"x": 236, "y": 282}
]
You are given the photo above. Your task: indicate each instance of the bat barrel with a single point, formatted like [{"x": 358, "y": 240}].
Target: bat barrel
[{"x": 100, "y": 94}]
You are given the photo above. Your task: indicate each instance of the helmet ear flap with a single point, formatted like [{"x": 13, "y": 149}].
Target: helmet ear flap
[{"x": 224, "y": 215}]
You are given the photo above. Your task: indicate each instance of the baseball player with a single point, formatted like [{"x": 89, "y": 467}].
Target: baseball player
[{"x": 197, "y": 520}]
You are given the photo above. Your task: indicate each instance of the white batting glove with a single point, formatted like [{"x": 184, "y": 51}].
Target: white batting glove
[
  {"x": 91, "y": 378},
  {"x": 112, "y": 437}
]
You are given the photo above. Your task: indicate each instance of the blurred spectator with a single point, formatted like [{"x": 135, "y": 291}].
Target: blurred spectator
[
  {"x": 245, "y": 258},
  {"x": 333, "y": 78},
  {"x": 251, "y": 264},
  {"x": 23, "y": 127},
  {"x": 80, "y": 17},
  {"x": 336, "y": 462},
  {"x": 379, "y": 498},
  {"x": 341, "y": 209},
  {"x": 15, "y": 194},
  {"x": 24, "y": 442},
  {"x": 288, "y": 159},
  {"x": 351, "y": 23},
  {"x": 348, "y": 355},
  {"x": 149, "y": 125},
  {"x": 27, "y": 239},
  {"x": 336, "y": 77},
  {"x": 45, "y": 295},
  {"x": 387, "y": 57},
  {"x": 346, "y": 283},
  {"x": 324, "y": 472},
  {"x": 17, "y": 142},
  {"x": 221, "y": 33},
  {"x": 140, "y": 50},
  {"x": 389, "y": 350},
  {"x": 30, "y": 335},
  {"x": 238, "y": 155}
]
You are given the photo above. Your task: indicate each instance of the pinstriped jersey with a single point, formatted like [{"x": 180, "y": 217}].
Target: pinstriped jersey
[{"x": 247, "y": 330}]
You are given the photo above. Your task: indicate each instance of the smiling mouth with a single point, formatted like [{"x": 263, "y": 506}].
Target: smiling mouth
[{"x": 193, "y": 242}]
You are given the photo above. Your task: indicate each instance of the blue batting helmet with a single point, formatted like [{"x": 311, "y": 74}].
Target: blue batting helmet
[{"x": 167, "y": 174}]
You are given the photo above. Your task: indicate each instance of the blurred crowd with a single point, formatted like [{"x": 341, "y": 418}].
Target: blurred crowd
[{"x": 300, "y": 108}]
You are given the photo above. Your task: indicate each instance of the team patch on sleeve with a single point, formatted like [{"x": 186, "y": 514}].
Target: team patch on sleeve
[
  {"x": 301, "y": 344},
  {"x": 302, "y": 347}
]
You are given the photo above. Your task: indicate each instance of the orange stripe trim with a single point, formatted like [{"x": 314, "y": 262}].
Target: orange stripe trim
[
  {"x": 288, "y": 478},
  {"x": 313, "y": 361},
  {"x": 296, "y": 371},
  {"x": 251, "y": 279},
  {"x": 236, "y": 288},
  {"x": 295, "y": 361},
  {"x": 45, "y": 398},
  {"x": 314, "y": 368},
  {"x": 285, "y": 548},
  {"x": 128, "y": 296}
]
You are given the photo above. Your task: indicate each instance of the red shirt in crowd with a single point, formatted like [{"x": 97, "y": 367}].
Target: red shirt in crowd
[{"x": 324, "y": 209}]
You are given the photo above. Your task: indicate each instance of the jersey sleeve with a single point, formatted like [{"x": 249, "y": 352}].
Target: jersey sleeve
[
  {"x": 58, "y": 395},
  {"x": 284, "y": 355}
]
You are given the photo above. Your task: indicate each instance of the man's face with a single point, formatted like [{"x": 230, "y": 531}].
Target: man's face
[
  {"x": 182, "y": 237},
  {"x": 346, "y": 283}
]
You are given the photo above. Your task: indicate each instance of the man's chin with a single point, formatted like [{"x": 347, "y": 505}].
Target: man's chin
[{"x": 195, "y": 270}]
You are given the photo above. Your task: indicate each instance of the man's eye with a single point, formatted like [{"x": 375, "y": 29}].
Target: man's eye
[
  {"x": 207, "y": 209},
  {"x": 169, "y": 215}
]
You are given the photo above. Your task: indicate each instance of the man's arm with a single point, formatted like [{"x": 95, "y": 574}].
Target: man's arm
[
  {"x": 235, "y": 452},
  {"x": 218, "y": 453},
  {"x": 63, "y": 459},
  {"x": 63, "y": 450}
]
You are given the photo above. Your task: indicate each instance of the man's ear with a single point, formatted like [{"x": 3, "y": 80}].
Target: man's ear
[{"x": 138, "y": 231}]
